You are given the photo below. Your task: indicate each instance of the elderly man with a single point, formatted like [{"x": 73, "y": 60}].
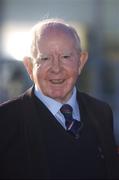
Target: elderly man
[{"x": 53, "y": 131}]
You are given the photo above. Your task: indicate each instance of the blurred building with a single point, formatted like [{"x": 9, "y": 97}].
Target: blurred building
[{"x": 98, "y": 25}]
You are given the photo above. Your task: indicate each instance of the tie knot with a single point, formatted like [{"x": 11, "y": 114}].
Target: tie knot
[{"x": 66, "y": 110}]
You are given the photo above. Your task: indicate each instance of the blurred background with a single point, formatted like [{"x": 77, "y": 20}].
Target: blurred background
[{"x": 97, "y": 22}]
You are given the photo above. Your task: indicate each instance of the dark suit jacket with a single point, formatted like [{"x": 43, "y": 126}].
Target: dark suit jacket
[{"x": 22, "y": 133}]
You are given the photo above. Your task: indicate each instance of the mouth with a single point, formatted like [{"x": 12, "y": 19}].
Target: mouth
[{"x": 57, "y": 81}]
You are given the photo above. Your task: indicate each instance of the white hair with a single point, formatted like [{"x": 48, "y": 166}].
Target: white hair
[{"x": 39, "y": 28}]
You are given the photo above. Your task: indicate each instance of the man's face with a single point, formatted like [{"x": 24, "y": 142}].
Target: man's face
[{"x": 57, "y": 66}]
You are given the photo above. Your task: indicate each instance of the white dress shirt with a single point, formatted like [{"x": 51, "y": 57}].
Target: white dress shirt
[{"x": 54, "y": 106}]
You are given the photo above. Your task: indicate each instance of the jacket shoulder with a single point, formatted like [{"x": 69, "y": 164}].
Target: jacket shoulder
[
  {"x": 12, "y": 115},
  {"x": 99, "y": 110},
  {"x": 12, "y": 105},
  {"x": 93, "y": 101}
]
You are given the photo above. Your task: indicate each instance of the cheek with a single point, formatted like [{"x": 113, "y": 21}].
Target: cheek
[
  {"x": 71, "y": 80},
  {"x": 37, "y": 73},
  {"x": 74, "y": 71}
]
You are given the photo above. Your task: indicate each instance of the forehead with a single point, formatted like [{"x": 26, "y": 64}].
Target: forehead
[
  {"x": 54, "y": 31},
  {"x": 57, "y": 38}
]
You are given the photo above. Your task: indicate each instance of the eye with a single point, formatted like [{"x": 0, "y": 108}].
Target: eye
[
  {"x": 66, "y": 56},
  {"x": 44, "y": 58}
]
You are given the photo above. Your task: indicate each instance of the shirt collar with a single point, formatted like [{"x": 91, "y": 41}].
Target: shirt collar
[
  {"x": 73, "y": 102},
  {"x": 54, "y": 106}
]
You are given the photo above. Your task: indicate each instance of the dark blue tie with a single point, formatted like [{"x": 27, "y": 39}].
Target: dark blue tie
[{"x": 72, "y": 126}]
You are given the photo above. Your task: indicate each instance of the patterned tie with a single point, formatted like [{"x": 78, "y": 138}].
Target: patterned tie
[{"x": 72, "y": 126}]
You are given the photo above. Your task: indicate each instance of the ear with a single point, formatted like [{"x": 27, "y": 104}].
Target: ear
[
  {"x": 83, "y": 59},
  {"x": 29, "y": 66}
]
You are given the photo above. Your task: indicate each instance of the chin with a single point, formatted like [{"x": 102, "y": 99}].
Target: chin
[{"x": 56, "y": 96}]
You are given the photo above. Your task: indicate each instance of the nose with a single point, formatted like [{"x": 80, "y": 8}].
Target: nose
[{"x": 56, "y": 65}]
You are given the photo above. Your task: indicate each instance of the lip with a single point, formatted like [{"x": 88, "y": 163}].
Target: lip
[{"x": 57, "y": 81}]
